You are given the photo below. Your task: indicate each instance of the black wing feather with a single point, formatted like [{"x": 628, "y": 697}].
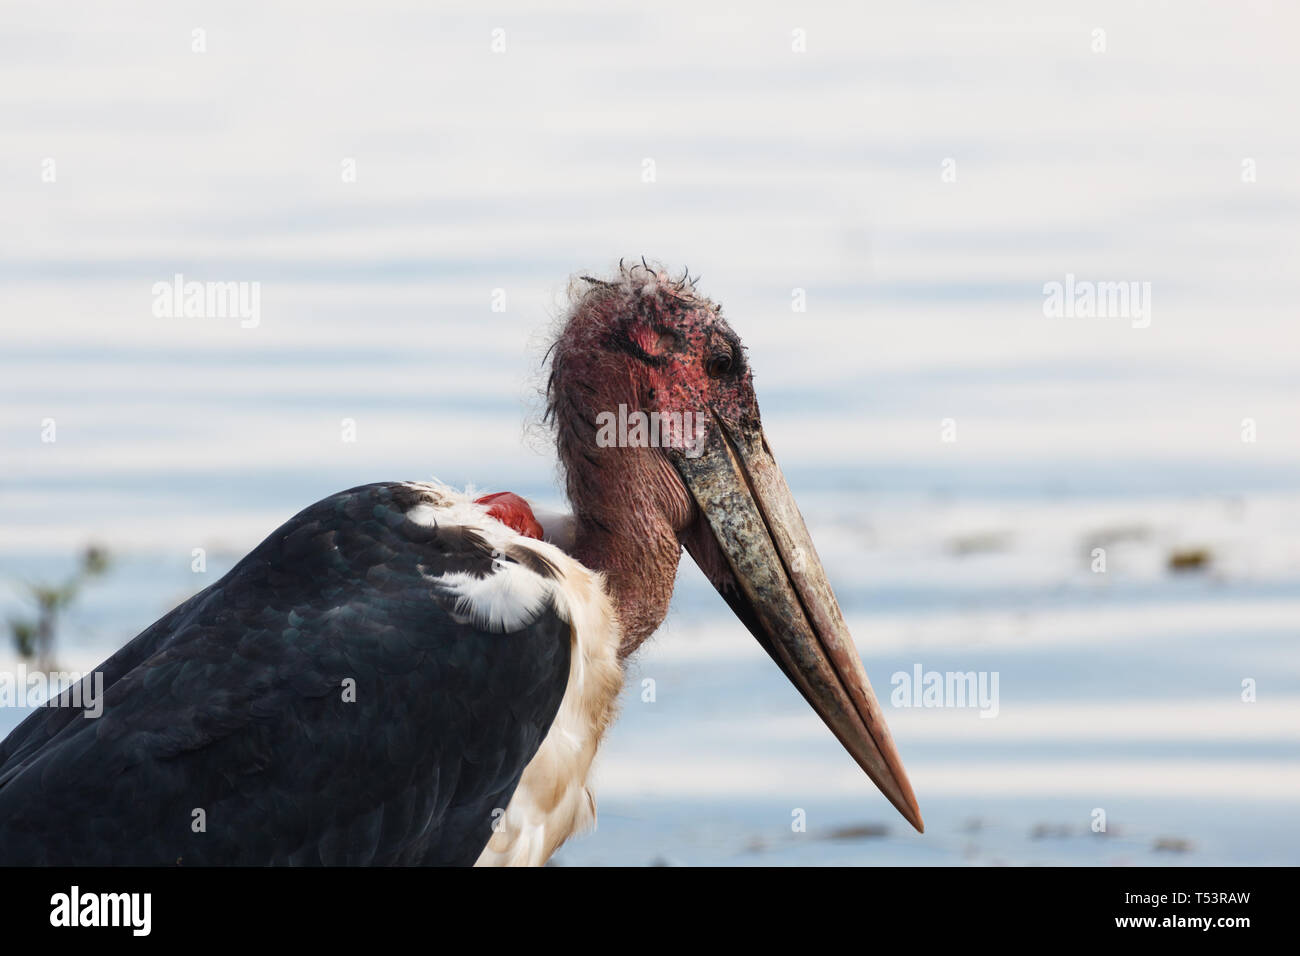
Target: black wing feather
[{"x": 233, "y": 704}]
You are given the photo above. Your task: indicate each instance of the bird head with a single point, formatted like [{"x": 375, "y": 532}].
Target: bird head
[{"x": 652, "y": 397}]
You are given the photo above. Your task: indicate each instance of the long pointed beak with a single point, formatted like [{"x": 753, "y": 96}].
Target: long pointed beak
[{"x": 778, "y": 588}]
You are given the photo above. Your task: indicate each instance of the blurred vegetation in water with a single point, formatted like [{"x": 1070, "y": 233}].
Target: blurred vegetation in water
[{"x": 34, "y": 636}]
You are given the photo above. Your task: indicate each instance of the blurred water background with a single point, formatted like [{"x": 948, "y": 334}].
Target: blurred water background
[{"x": 774, "y": 170}]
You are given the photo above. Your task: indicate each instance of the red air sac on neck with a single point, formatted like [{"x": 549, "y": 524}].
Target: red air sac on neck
[{"x": 508, "y": 508}]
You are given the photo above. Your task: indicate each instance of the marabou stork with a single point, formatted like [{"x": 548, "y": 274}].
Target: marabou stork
[{"x": 401, "y": 674}]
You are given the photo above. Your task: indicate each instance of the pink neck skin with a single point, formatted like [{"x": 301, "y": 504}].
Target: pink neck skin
[{"x": 635, "y": 548}]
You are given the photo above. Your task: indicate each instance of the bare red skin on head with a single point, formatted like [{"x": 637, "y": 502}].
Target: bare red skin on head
[
  {"x": 651, "y": 343},
  {"x": 512, "y": 511}
]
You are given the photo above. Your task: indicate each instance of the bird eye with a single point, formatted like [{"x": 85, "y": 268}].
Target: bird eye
[{"x": 719, "y": 365}]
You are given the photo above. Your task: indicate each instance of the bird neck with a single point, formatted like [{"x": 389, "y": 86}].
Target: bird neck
[{"x": 638, "y": 554}]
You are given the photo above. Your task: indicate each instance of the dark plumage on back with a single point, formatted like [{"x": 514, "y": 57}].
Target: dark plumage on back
[{"x": 232, "y": 710}]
